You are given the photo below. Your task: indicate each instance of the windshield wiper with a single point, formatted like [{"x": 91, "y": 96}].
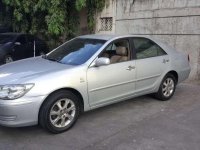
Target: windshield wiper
[{"x": 51, "y": 59}]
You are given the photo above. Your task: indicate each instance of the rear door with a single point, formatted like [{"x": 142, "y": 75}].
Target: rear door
[{"x": 151, "y": 63}]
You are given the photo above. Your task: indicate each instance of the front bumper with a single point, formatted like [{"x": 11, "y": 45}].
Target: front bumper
[{"x": 20, "y": 112}]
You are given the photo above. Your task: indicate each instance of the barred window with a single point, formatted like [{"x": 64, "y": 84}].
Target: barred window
[{"x": 106, "y": 24}]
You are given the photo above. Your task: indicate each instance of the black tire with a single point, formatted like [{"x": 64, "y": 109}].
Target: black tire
[
  {"x": 160, "y": 94},
  {"x": 50, "y": 102},
  {"x": 8, "y": 59}
]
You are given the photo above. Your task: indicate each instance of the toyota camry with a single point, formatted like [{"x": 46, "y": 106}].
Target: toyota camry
[{"x": 85, "y": 73}]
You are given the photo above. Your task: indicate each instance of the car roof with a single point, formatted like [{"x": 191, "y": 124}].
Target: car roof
[
  {"x": 111, "y": 36},
  {"x": 98, "y": 36},
  {"x": 108, "y": 37}
]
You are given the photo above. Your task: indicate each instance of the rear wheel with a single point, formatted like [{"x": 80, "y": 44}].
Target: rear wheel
[
  {"x": 167, "y": 88},
  {"x": 59, "y": 112}
]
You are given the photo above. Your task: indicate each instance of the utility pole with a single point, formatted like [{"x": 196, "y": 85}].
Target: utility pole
[{"x": 34, "y": 48}]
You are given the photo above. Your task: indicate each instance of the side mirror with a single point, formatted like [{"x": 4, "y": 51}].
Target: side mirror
[
  {"x": 102, "y": 61},
  {"x": 17, "y": 43}
]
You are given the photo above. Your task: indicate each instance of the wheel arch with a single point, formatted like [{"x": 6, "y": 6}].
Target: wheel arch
[
  {"x": 74, "y": 91},
  {"x": 175, "y": 74}
]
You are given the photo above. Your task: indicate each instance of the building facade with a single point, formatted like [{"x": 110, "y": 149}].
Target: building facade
[{"x": 176, "y": 22}]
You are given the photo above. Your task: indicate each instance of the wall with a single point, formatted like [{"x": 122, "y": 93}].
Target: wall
[
  {"x": 176, "y": 22},
  {"x": 108, "y": 11},
  {"x": 83, "y": 22}
]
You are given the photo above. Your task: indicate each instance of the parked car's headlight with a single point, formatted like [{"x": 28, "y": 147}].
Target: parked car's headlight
[{"x": 9, "y": 92}]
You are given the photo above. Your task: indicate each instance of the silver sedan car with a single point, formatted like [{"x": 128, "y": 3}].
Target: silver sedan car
[{"x": 85, "y": 73}]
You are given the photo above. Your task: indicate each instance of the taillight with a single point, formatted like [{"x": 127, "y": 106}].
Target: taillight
[{"x": 188, "y": 58}]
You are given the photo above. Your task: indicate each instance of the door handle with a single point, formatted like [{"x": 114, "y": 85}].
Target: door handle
[
  {"x": 165, "y": 60},
  {"x": 130, "y": 68}
]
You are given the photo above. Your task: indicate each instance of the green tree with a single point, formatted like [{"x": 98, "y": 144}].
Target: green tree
[{"x": 52, "y": 18}]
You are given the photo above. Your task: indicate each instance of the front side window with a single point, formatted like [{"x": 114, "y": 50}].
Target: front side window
[
  {"x": 76, "y": 52},
  {"x": 117, "y": 51},
  {"x": 145, "y": 48}
]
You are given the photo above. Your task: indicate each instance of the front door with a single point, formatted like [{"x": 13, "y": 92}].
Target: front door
[{"x": 116, "y": 81}]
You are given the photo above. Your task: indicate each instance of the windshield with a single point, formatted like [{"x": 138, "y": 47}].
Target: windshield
[
  {"x": 76, "y": 52},
  {"x": 6, "y": 38}
]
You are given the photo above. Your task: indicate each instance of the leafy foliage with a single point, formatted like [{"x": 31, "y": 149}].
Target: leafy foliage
[{"x": 54, "y": 18}]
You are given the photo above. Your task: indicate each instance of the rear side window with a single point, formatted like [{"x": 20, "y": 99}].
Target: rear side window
[{"x": 145, "y": 48}]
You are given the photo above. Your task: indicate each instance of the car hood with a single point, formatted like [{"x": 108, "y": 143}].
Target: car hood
[{"x": 28, "y": 68}]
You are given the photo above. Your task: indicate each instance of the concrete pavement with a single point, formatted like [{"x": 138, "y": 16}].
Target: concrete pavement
[{"x": 142, "y": 123}]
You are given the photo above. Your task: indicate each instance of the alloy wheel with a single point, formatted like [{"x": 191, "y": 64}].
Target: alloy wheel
[
  {"x": 8, "y": 59},
  {"x": 168, "y": 87},
  {"x": 62, "y": 113}
]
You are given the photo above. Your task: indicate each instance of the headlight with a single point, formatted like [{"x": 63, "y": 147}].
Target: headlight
[{"x": 9, "y": 92}]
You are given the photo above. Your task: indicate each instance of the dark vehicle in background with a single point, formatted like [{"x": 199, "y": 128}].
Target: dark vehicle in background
[
  {"x": 4, "y": 29},
  {"x": 16, "y": 46}
]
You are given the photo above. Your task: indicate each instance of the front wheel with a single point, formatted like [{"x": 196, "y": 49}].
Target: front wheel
[
  {"x": 167, "y": 88},
  {"x": 8, "y": 59},
  {"x": 59, "y": 112}
]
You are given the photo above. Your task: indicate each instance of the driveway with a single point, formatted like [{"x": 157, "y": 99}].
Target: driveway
[{"x": 138, "y": 124}]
